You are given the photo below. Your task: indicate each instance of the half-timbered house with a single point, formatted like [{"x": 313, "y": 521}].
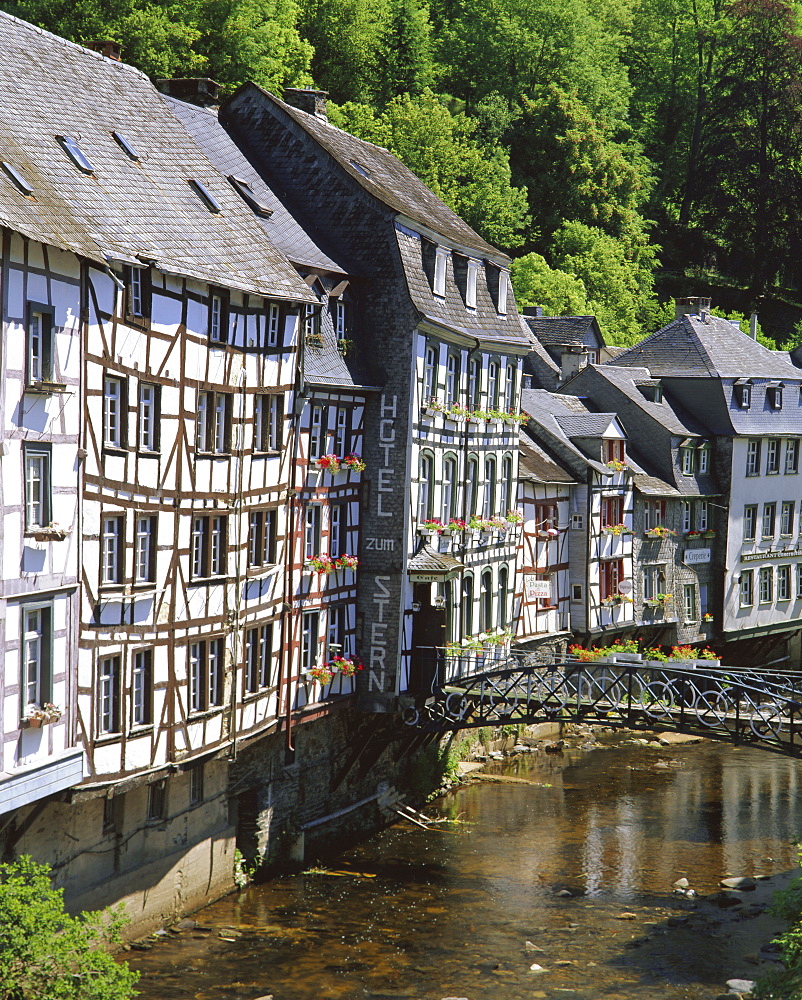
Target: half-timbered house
[
  {"x": 440, "y": 332},
  {"x": 184, "y": 392}
]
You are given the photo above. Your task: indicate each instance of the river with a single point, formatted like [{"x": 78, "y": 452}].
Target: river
[{"x": 448, "y": 912}]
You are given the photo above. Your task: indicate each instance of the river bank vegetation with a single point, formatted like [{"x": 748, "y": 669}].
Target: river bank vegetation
[{"x": 621, "y": 152}]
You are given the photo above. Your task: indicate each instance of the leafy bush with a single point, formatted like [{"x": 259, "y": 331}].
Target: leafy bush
[{"x": 45, "y": 952}]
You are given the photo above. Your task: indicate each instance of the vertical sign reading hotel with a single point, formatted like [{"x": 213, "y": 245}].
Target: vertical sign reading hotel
[{"x": 377, "y": 657}]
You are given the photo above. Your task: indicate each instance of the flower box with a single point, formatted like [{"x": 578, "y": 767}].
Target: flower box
[
  {"x": 51, "y": 533},
  {"x": 37, "y": 717},
  {"x": 660, "y": 531},
  {"x": 710, "y": 533}
]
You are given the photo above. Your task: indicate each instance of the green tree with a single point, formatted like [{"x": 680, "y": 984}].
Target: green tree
[
  {"x": 574, "y": 169},
  {"x": 256, "y": 40},
  {"x": 346, "y": 36},
  {"x": 406, "y": 64},
  {"x": 617, "y": 275},
  {"x": 440, "y": 148},
  {"x": 537, "y": 284},
  {"x": 749, "y": 190},
  {"x": 45, "y": 952}
]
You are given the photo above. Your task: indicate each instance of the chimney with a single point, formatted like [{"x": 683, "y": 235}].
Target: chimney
[
  {"x": 313, "y": 102},
  {"x": 571, "y": 360},
  {"x": 194, "y": 90},
  {"x": 692, "y": 305},
  {"x": 106, "y": 47},
  {"x": 533, "y": 310},
  {"x": 753, "y": 326}
]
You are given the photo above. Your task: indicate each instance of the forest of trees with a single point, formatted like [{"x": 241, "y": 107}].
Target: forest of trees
[{"x": 621, "y": 151}]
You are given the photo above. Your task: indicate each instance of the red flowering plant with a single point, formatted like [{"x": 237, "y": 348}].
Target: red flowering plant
[
  {"x": 346, "y": 562},
  {"x": 329, "y": 463},
  {"x": 432, "y": 524},
  {"x": 584, "y": 655},
  {"x": 457, "y": 524}
]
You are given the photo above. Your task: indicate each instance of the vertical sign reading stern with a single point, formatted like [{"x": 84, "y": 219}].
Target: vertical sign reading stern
[{"x": 385, "y": 488}]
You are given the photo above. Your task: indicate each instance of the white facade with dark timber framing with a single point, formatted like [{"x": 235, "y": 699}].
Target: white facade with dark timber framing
[{"x": 40, "y": 402}]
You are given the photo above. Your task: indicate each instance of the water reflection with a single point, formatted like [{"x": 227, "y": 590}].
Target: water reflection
[{"x": 447, "y": 913}]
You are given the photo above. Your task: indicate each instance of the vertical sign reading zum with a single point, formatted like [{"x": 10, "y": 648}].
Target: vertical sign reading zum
[{"x": 377, "y": 672}]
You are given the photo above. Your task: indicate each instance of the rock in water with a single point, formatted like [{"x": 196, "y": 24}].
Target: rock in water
[
  {"x": 681, "y": 883},
  {"x": 745, "y": 883},
  {"x": 740, "y": 985}
]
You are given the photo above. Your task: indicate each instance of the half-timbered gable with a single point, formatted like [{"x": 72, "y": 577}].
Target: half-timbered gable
[
  {"x": 323, "y": 444},
  {"x": 543, "y": 595}
]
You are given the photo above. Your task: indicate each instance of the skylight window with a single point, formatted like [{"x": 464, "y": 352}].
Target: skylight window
[
  {"x": 359, "y": 168},
  {"x": 17, "y": 177},
  {"x": 245, "y": 191},
  {"x": 76, "y": 154},
  {"x": 125, "y": 145},
  {"x": 205, "y": 195}
]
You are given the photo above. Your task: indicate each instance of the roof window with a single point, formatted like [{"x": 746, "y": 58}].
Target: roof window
[
  {"x": 359, "y": 168},
  {"x": 743, "y": 391},
  {"x": 774, "y": 391},
  {"x": 76, "y": 154},
  {"x": 245, "y": 191},
  {"x": 125, "y": 145},
  {"x": 17, "y": 177},
  {"x": 205, "y": 195}
]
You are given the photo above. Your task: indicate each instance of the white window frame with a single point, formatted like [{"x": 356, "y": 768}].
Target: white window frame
[
  {"x": 112, "y": 549},
  {"x": 791, "y": 456},
  {"x": 687, "y": 455},
  {"x": 310, "y": 639},
  {"x": 787, "y": 519},
  {"x": 768, "y": 523},
  {"x": 430, "y": 361},
  {"x": 747, "y": 591},
  {"x": 145, "y": 548},
  {"x": 108, "y": 701},
  {"x": 689, "y": 601},
  {"x": 38, "y": 499},
  {"x": 772, "y": 457},
  {"x": 113, "y": 410},
  {"x": 312, "y": 517},
  {"x": 753, "y": 457},
  {"x": 703, "y": 459},
  {"x": 142, "y": 687},
  {"x": 452, "y": 378},
  {"x": 317, "y": 431},
  {"x": 425, "y": 481},
  {"x": 148, "y": 417},
  {"x": 471, "y": 277},
  {"x": 503, "y": 287},
  {"x": 439, "y": 283},
  {"x": 766, "y": 585},
  {"x": 273, "y": 323},
  {"x": 702, "y": 515},
  {"x": 784, "y": 582},
  {"x": 750, "y": 522},
  {"x": 687, "y": 516},
  {"x": 448, "y": 490}
]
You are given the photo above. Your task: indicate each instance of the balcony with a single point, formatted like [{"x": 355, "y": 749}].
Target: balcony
[{"x": 28, "y": 784}]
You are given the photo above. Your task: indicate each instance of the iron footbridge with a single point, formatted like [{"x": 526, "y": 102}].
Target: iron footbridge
[{"x": 725, "y": 703}]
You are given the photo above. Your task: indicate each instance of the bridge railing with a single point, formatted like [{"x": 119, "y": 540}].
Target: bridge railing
[{"x": 723, "y": 702}]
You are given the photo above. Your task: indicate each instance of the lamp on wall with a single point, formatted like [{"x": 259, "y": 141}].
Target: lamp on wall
[{"x": 440, "y": 603}]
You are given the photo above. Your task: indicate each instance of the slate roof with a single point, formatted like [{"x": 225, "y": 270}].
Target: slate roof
[
  {"x": 652, "y": 486},
  {"x": 590, "y": 425},
  {"x": 691, "y": 346},
  {"x": 51, "y": 87},
  {"x": 626, "y": 380},
  {"x": 535, "y": 465},
  {"x": 484, "y": 322},
  {"x": 326, "y": 367},
  {"x": 555, "y": 331},
  {"x": 282, "y": 228},
  {"x": 549, "y": 412},
  {"x": 388, "y": 180}
]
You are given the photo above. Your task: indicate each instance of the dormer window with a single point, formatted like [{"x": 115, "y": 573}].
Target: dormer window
[
  {"x": 774, "y": 392},
  {"x": 703, "y": 458},
  {"x": 439, "y": 286},
  {"x": 76, "y": 154},
  {"x": 503, "y": 281},
  {"x": 743, "y": 393},
  {"x": 470, "y": 287}
]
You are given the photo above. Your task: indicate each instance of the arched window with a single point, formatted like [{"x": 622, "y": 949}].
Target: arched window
[
  {"x": 492, "y": 385},
  {"x": 467, "y": 605},
  {"x": 506, "y": 500},
  {"x": 474, "y": 384},
  {"x": 510, "y": 387},
  {"x": 490, "y": 487},
  {"x": 430, "y": 374},
  {"x": 486, "y": 601},
  {"x": 448, "y": 496},
  {"x": 426, "y": 475},
  {"x": 471, "y": 485},
  {"x": 503, "y": 587},
  {"x": 452, "y": 380}
]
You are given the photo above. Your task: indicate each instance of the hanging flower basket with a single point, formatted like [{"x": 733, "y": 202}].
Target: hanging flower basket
[
  {"x": 320, "y": 564},
  {"x": 353, "y": 463},
  {"x": 328, "y": 463}
]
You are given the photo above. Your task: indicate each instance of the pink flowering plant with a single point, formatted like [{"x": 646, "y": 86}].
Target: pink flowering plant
[
  {"x": 345, "y": 665},
  {"x": 321, "y": 564},
  {"x": 320, "y": 672},
  {"x": 346, "y": 562}
]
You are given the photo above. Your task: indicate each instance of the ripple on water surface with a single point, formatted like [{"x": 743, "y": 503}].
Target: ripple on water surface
[{"x": 448, "y": 913}]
